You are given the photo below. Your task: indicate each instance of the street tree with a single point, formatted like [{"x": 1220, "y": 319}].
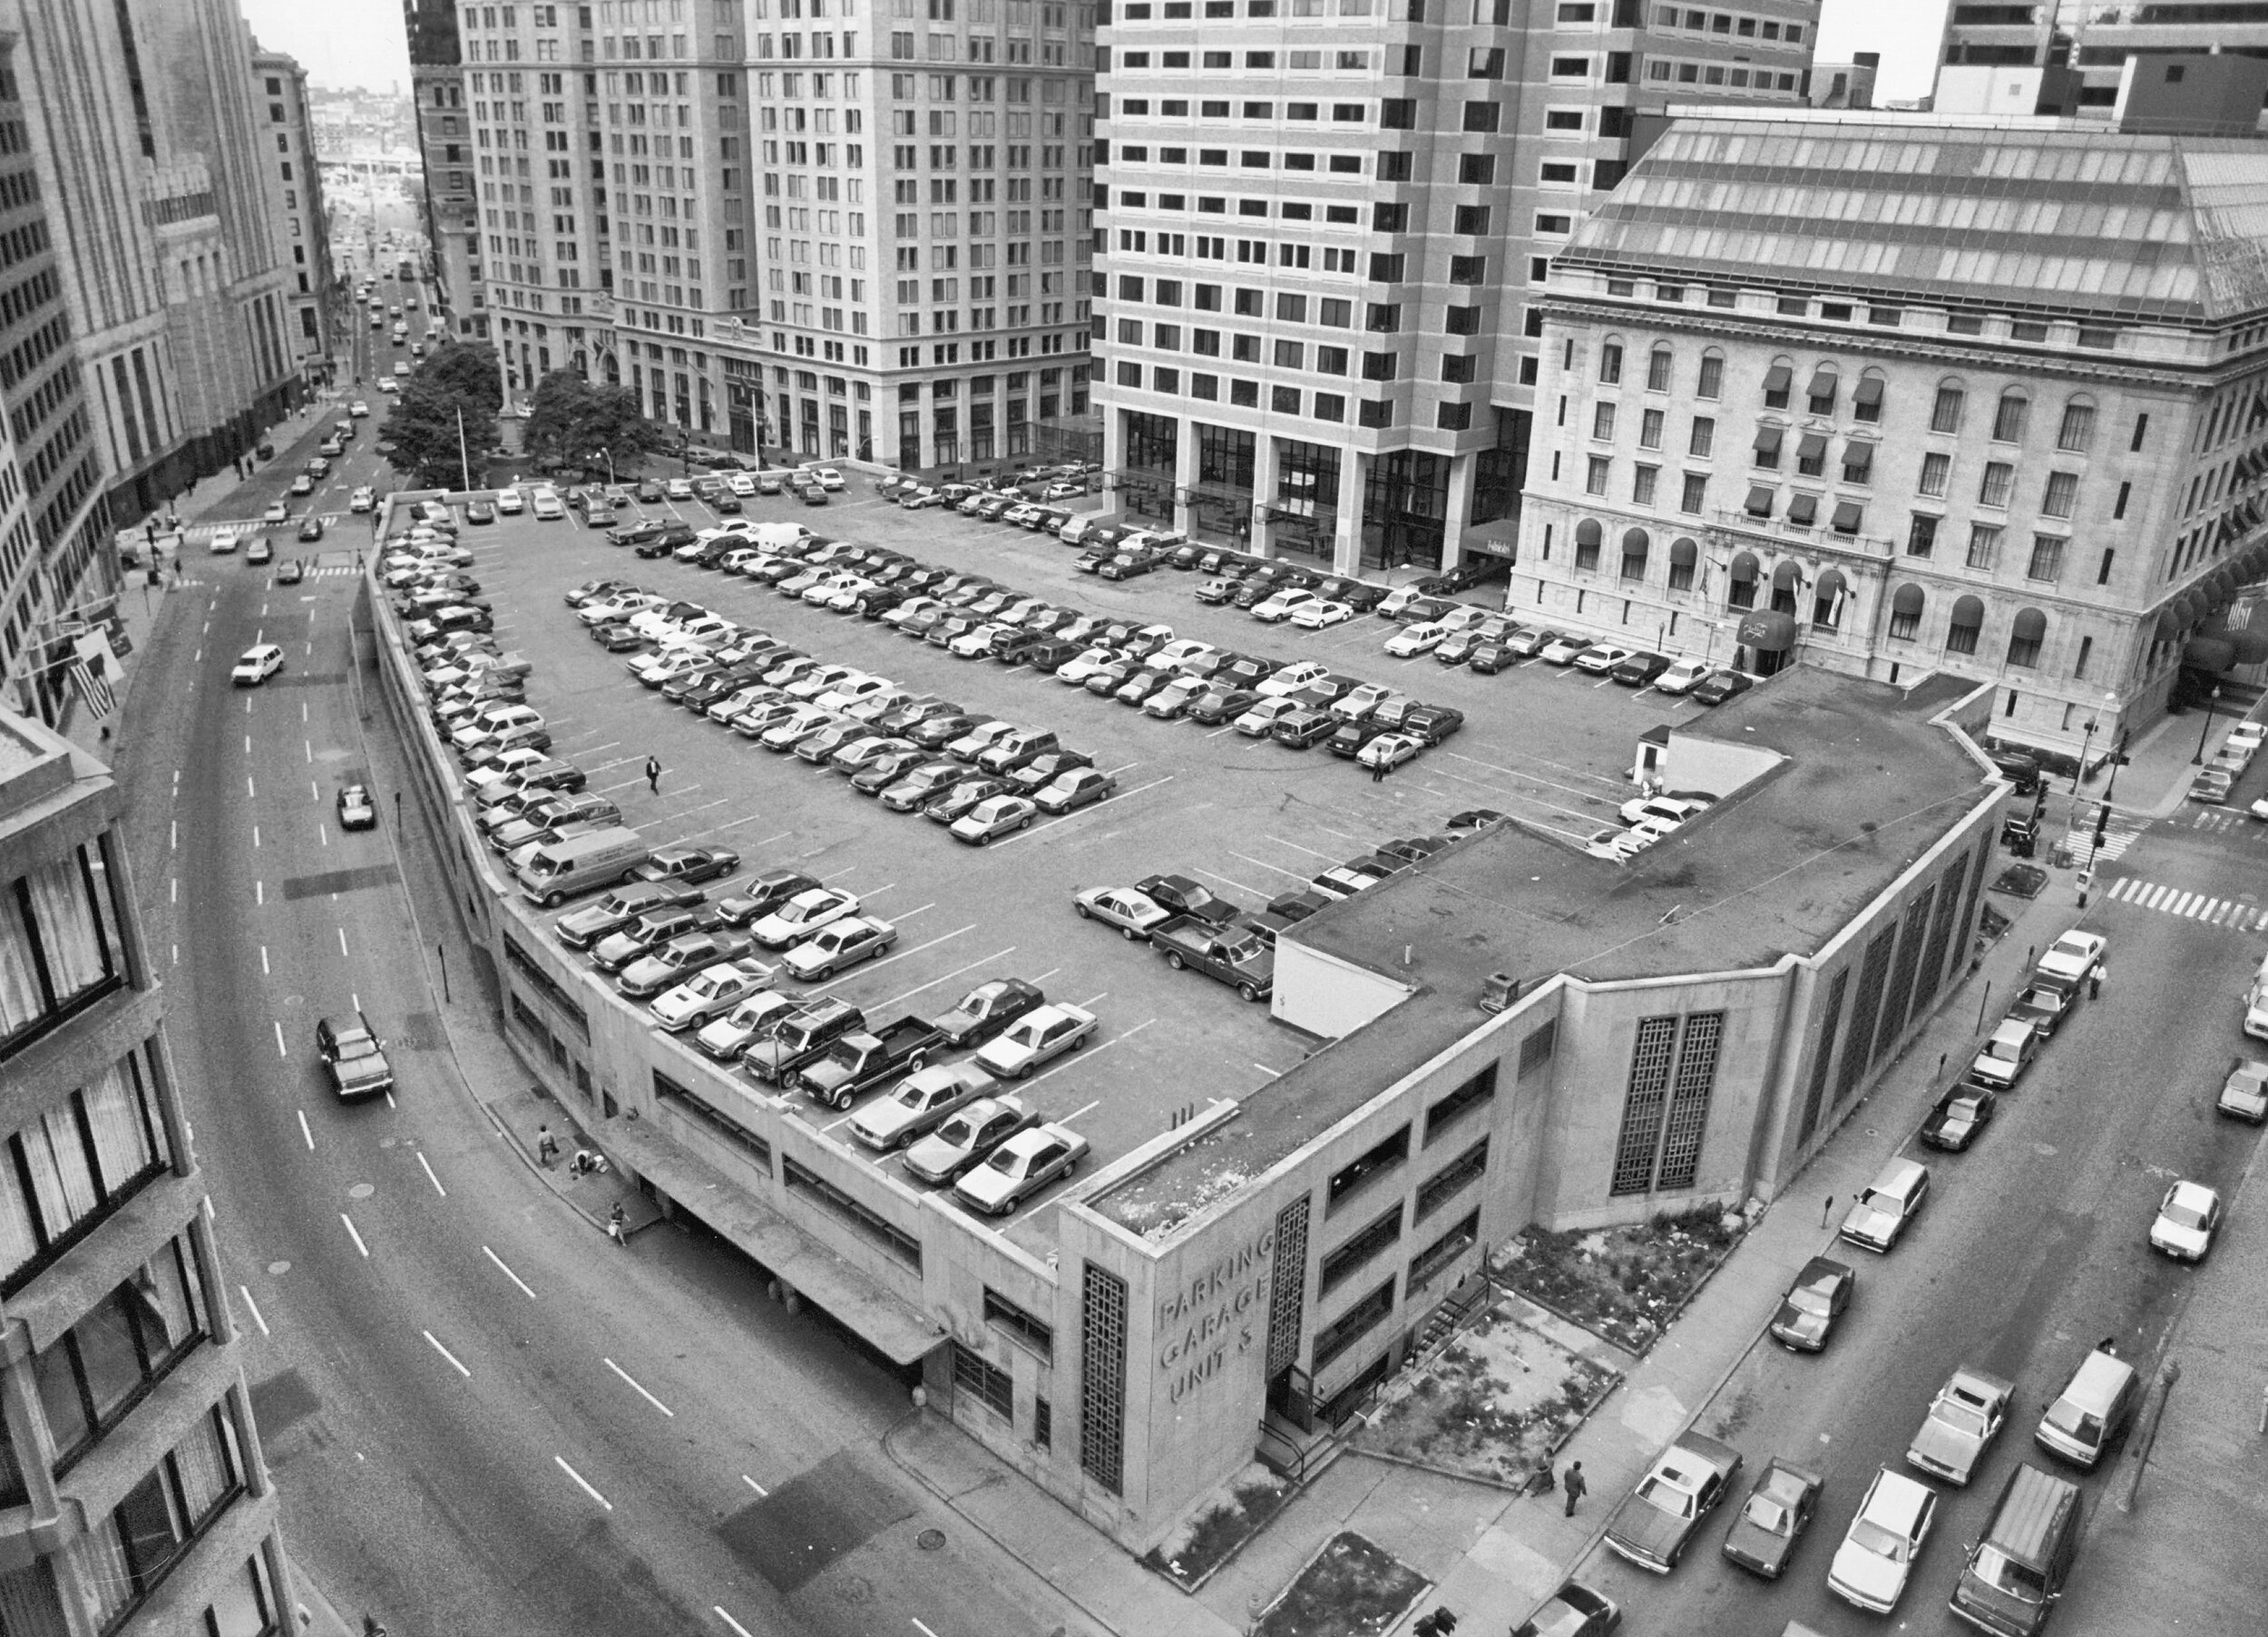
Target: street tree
[
  {"x": 467, "y": 371},
  {"x": 577, "y": 424},
  {"x": 428, "y": 436}
]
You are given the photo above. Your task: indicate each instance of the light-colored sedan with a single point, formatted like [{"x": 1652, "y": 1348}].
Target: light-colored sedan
[
  {"x": 1135, "y": 914},
  {"x": 1415, "y": 640},
  {"x": 975, "y": 642},
  {"x": 840, "y": 944},
  {"x": 1291, "y": 679},
  {"x": 803, "y": 915},
  {"x": 1088, "y": 662},
  {"x": 1020, "y": 1167},
  {"x": 1562, "y": 650},
  {"x": 1260, "y": 721},
  {"x": 995, "y": 815},
  {"x": 922, "y": 1100},
  {"x": 276, "y": 513},
  {"x": 1964, "y": 1418},
  {"x": 1389, "y": 750},
  {"x": 1876, "y": 1557},
  {"x": 1073, "y": 789},
  {"x": 1601, "y": 658},
  {"x": 2187, "y": 1220},
  {"x": 1037, "y": 1038},
  {"x": 708, "y": 994},
  {"x": 1683, "y": 677},
  {"x": 1320, "y": 614}
]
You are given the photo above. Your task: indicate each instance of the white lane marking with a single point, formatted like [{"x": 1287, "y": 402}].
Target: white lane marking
[
  {"x": 430, "y": 1177},
  {"x": 256, "y": 835},
  {"x": 948, "y": 978},
  {"x": 305, "y": 1131},
  {"x": 640, "y": 1391},
  {"x": 1075, "y": 1112},
  {"x": 251, "y": 791},
  {"x": 175, "y": 831},
  {"x": 718, "y": 1610},
  {"x": 248, "y": 745},
  {"x": 508, "y": 1273},
  {"x": 263, "y": 960},
  {"x": 924, "y": 1629},
  {"x": 1227, "y": 882},
  {"x": 279, "y": 1042},
  {"x": 1279, "y": 868},
  {"x": 888, "y": 960},
  {"x": 1087, "y": 1005},
  {"x": 925, "y": 909},
  {"x": 752, "y": 1484},
  {"x": 582, "y": 1484},
  {"x": 769, "y": 840},
  {"x": 310, "y": 744},
  {"x": 1296, "y": 847},
  {"x": 342, "y": 940},
  {"x": 351, "y": 1229},
  {"x": 322, "y": 832},
  {"x": 259, "y": 892},
  {"x": 1070, "y": 1058},
  {"x": 454, "y": 1362},
  {"x": 254, "y": 1306}
]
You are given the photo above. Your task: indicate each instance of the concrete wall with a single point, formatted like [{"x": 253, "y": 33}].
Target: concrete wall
[{"x": 1327, "y": 997}]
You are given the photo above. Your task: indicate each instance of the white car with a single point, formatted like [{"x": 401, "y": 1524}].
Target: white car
[
  {"x": 1259, "y": 721},
  {"x": 224, "y": 542},
  {"x": 1601, "y": 658},
  {"x": 2073, "y": 956},
  {"x": 1036, "y": 1039},
  {"x": 741, "y": 485},
  {"x": 1871, "y": 1565},
  {"x": 1671, "y": 810},
  {"x": 708, "y": 994},
  {"x": 1411, "y": 640},
  {"x": 546, "y": 505},
  {"x": 1617, "y": 846},
  {"x": 677, "y": 488},
  {"x": 975, "y": 642},
  {"x": 388, "y": 384},
  {"x": 829, "y": 479},
  {"x": 1389, "y": 750},
  {"x": 1282, "y": 604},
  {"x": 1682, "y": 677},
  {"x": 1561, "y": 651},
  {"x": 909, "y": 608},
  {"x": 364, "y": 499},
  {"x": 2186, "y": 1221},
  {"x": 1320, "y": 614},
  {"x": 1020, "y": 1167},
  {"x": 509, "y": 503},
  {"x": 1357, "y": 702},
  {"x": 1091, "y": 662},
  {"x": 358, "y": 409},
  {"x": 993, "y": 817},
  {"x": 803, "y": 915},
  {"x": 276, "y": 513},
  {"x": 842, "y": 942},
  {"x": 257, "y": 665},
  {"x": 1292, "y": 677},
  {"x": 853, "y": 690},
  {"x": 1169, "y": 658}
]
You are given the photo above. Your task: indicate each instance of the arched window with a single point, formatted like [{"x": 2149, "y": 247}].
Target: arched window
[
  {"x": 1777, "y": 379},
  {"x": 1787, "y": 586},
  {"x": 1906, "y": 604},
  {"x": 1828, "y": 598},
  {"x": 1967, "y": 625},
  {"x": 2008, "y": 418},
  {"x": 1588, "y": 535},
  {"x": 2076, "y": 431},
  {"x": 2028, "y": 631},
  {"x": 1866, "y": 401},
  {"x": 1820, "y": 395},
  {"x": 1951, "y": 399},
  {"x": 1710, "y": 383},
  {"x": 1658, "y": 364},
  {"x": 1740, "y": 589},
  {"x": 1634, "y": 549},
  {"x": 1684, "y": 559}
]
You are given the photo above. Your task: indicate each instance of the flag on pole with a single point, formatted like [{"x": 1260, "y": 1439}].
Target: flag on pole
[{"x": 94, "y": 671}]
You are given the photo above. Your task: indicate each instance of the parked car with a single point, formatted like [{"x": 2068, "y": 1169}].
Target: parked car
[
  {"x": 1774, "y": 1518},
  {"x": 1871, "y": 1565},
  {"x": 1656, "y": 1521},
  {"x": 1036, "y": 1039},
  {"x": 963, "y": 1140},
  {"x": 1021, "y": 1167},
  {"x": 1808, "y": 1311},
  {"x": 1963, "y": 1419},
  {"x": 1889, "y": 1204},
  {"x": 1958, "y": 1117}
]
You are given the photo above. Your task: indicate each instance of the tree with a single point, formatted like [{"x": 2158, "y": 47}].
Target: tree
[
  {"x": 468, "y": 373},
  {"x": 571, "y": 421},
  {"x": 424, "y": 429}
]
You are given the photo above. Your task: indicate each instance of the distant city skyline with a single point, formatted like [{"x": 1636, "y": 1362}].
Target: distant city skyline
[{"x": 342, "y": 44}]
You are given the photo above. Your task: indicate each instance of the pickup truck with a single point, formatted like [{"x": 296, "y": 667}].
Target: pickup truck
[
  {"x": 802, "y": 1038},
  {"x": 865, "y": 1061},
  {"x": 1232, "y": 955}
]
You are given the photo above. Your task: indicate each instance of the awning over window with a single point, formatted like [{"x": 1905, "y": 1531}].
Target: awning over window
[
  {"x": 1778, "y": 377},
  {"x": 1906, "y": 600},
  {"x": 1683, "y": 553},
  {"x": 1760, "y": 500},
  {"x": 1769, "y": 442},
  {"x": 1869, "y": 393},
  {"x": 1767, "y": 630},
  {"x": 1847, "y": 516},
  {"x": 1814, "y": 444},
  {"x": 1823, "y": 383},
  {"x": 1803, "y": 509},
  {"x": 1858, "y": 460}
]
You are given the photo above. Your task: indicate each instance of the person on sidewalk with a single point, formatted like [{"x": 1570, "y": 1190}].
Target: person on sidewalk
[
  {"x": 546, "y": 1146},
  {"x": 653, "y": 774},
  {"x": 616, "y": 1227},
  {"x": 1827, "y": 1210},
  {"x": 1378, "y": 770},
  {"x": 582, "y": 1165},
  {"x": 1572, "y": 1481}
]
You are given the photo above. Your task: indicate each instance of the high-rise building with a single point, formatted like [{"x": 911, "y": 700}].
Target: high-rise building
[
  {"x": 445, "y": 138},
  {"x": 790, "y": 231},
  {"x": 2094, "y": 41},
  {"x": 1324, "y": 222},
  {"x": 134, "y": 1497},
  {"x": 150, "y": 145},
  {"x": 53, "y": 519},
  {"x": 295, "y": 187}
]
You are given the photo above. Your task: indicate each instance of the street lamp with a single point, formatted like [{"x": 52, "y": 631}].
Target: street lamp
[
  {"x": 2085, "y": 744},
  {"x": 608, "y": 456},
  {"x": 2212, "y": 701}
]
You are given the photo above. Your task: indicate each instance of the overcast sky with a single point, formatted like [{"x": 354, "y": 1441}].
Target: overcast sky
[{"x": 360, "y": 42}]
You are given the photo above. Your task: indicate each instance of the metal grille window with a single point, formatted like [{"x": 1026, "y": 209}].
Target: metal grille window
[
  {"x": 979, "y": 1377},
  {"x": 1711, "y": 383},
  {"x": 1941, "y": 930},
  {"x": 2008, "y": 418},
  {"x": 1937, "y": 472},
  {"x": 1343, "y": 1263},
  {"x": 1537, "y": 1049},
  {"x": 1452, "y": 1180},
  {"x": 1287, "y": 1287},
  {"x": 1865, "y": 1008},
  {"x": 1823, "y": 1063},
  {"x": 2062, "y": 496},
  {"x": 1026, "y": 1327},
  {"x": 870, "y": 1224},
  {"x": 1689, "y": 1095},
  {"x": 1042, "y": 1423},
  {"x": 1444, "y": 1250},
  {"x": 1365, "y": 1168},
  {"x": 1353, "y": 1325},
  {"x": 1102, "y": 1378},
  {"x": 2077, "y": 430},
  {"x": 1473, "y": 1094},
  {"x": 1642, "y": 1105},
  {"x": 1901, "y": 993}
]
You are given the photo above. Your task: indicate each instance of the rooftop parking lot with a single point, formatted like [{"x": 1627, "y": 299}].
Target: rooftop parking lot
[{"x": 1248, "y": 818}]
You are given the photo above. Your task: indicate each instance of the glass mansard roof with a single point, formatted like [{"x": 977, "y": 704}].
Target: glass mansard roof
[{"x": 2092, "y": 223}]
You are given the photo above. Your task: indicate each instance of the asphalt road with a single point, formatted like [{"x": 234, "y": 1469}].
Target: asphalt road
[
  {"x": 482, "y": 1417},
  {"x": 2033, "y": 1249}
]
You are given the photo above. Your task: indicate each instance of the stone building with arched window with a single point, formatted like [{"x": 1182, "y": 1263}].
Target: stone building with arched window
[{"x": 1896, "y": 394}]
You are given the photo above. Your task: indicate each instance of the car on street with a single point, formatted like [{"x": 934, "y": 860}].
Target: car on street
[
  {"x": 993, "y": 818},
  {"x": 1035, "y": 1040},
  {"x": 838, "y": 946},
  {"x": 920, "y": 1103},
  {"x": 276, "y": 513},
  {"x": 1772, "y": 1521},
  {"x": 1959, "y": 1117},
  {"x": 803, "y": 915},
  {"x": 1658, "y": 1520},
  {"x": 257, "y": 664},
  {"x": 2245, "y": 1094},
  {"x": 2074, "y": 955},
  {"x": 1020, "y": 1167},
  {"x": 356, "y": 809},
  {"x": 354, "y": 1057},
  {"x": 1573, "y": 1610},
  {"x": 302, "y": 484},
  {"x": 1808, "y": 1312},
  {"x": 2187, "y": 1219},
  {"x": 1871, "y": 1565},
  {"x": 965, "y": 1138},
  {"x": 688, "y": 863},
  {"x": 1963, "y": 1419},
  {"x": 1890, "y": 1203},
  {"x": 2044, "y": 1004}
]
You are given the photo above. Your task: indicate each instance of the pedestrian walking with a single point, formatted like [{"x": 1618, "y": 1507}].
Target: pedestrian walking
[
  {"x": 1572, "y": 1481},
  {"x": 546, "y": 1146},
  {"x": 653, "y": 774},
  {"x": 1827, "y": 1210},
  {"x": 1378, "y": 770},
  {"x": 2095, "y": 980},
  {"x": 616, "y": 1227}
]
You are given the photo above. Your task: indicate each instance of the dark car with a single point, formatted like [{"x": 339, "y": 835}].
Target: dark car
[
  {"x": 1041, "y": 770},
  {"x": 886, "y": 770},
  {"x": 1574, "y": 1611},
  {"x": 1050, "y": 654},
  {"x": 310, "y": 527},
  {"x": 1218, "y": 704},
  {"x": 688, "y": 863},
  {"x": 1416, "y": 849},
  {"x": 760, "y": 895},
  {"x": 961, "y": 799},
  {"x": 1243, "y": 671},
  {"x": 905, "y": 718},
  {"x": 1656, "y": 1521},
  {"x": 1301, "y": 728},
  {"x": 649, "y": 492},
  {"x": 479, "y": 511},
  {"x": 1639, "y": 670},
  {"x": 1813, "y": 1303},
  {"x": 1431, "y": 723},
  {"x": 1773, "y": 1519},
  {"x": 940, "y": 731},
  {"x": 1348, "y": 738},
  {"x": 1185, "y": 897},
  {"x": 1298, "y": 903},
  {"x": 667, "y": 541},
  {"x": 633, "y": 534},
  {"x": 1139, "y": 687},
  {"x": 918, "y": 788},
  {"x": 2046, "y": 1002},
  {"x": 987, "y": 1010},
  {"x": 1958, "y": 1117},
  {"x": 1011, "y": 645},
  {"x": 1720, "y": 686},
  {"x": 1490, "y": 657}
]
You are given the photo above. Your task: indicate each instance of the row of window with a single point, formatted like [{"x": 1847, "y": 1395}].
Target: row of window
[
  {"x": 75, "y": 1162},
  {"x": 60, "y": 944},
  {"x": 1247, "y": 394}
]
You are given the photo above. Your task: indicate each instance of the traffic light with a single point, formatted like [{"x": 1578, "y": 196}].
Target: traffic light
[
  {"x": 2102, "y": 824},
  {"x": 1439, "y": 1624}
]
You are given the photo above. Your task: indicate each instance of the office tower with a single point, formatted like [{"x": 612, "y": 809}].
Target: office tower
[
  {"x": 296, "y": 207},
  {"x": 2093, "y": 41},
  {"x": 134, "y": 1497},
  {"x": 1325, "y": 221},
  {"x": 444, "y": 140}
]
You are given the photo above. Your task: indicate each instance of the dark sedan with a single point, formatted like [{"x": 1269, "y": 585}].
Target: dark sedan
[
  {"x": 885, "y": 771},
  {"x": 961, "y": 799},
  {"x": 1042, "y": 770},
  {"x": 920, "y": 786},
  {"x": 1720, "y": 686},
  {"x": 1639, "y": 670},
  {"x": 1773, "y": 1519},
  {"x": 1219, "y": 705},
  {"x": 938, "y": 732},
  {"x": 761, "y": 895},
  {"x": 1959, "y": 1117},
  {"x": 1813, "y": 1303},
  {"x": 688, "y": 863},
  {"x": 310, "y": 527}
]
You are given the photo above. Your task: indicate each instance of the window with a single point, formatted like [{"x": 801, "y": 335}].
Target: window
[
  {"x": 1349, "y": 1259},
  {"x": 1597, "y": 476},
  {"x": 130, "y": 1549},
  {"x": 1922, "y": 535},
  {"x": 1102, "y": 1376},
  {"x": 1603, "y": 421},
  {"x": 2047, "y": 562},
  {"x": 1936, "y": 471},
  {"x": 1906, "y": 622},
  {"x": 1353, "y": 1325},
  {"x": 2008, "y": 418},
  {"x": 1866, "y": 401},
  {"x": 1657, "y": 367},
  {"x": 2077, "y": 430},
  {"x": 1999, "y": 478},
  {"x": 1967, "y": 624},
  {"x": 1366, "y": 1167},
  {"x": 60, "y": 948},
  {"x": 1858, "y": 463},
  {"x": 1482, "y": 117},
  {"x": 71, "y": 1165},
  {"x": 1710, "y": 384},
  {"x": 1945, "y": 413},
  {"x": 1452, "y": 1179},
  {"x": 1695, "y": 495},
  {"x": 1776, "y": 382},
  {"x": 2062, "y": 496},
  {"x": 983, "y": 1380},
  {"x": 1022, "y": 1326},
  {"x": 1445, "y": 1250},
  {"x": 1642, "y": 484},
  {"x": 1984, "y": 545},
  {"x": 89, "y": 1378},
  {"x": 1471, "y": 219},
  {"x": 1767, "y": 449},
  {"x": 1476, "y": 1093},
  {"x": 1610, "y": 364},
  {"x": 2025, "y": 634},
  {"x": 1820, "y": 397},
  {"x": 1702, "y": 439}
]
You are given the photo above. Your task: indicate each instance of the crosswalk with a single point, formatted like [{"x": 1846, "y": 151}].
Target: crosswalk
[
  {"x": 2121, "y": 835},
  {"x": 2224, "y": 818},
  {"x": 2232, "y": 913}
]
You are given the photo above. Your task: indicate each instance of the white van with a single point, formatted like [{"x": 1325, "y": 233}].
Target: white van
[
  {"x": 1075, "y": 532},
  {"x": 2257, "y": 1005},
  {"x": 559, "y": 871},
  {"x": 778, "y": 537}
]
